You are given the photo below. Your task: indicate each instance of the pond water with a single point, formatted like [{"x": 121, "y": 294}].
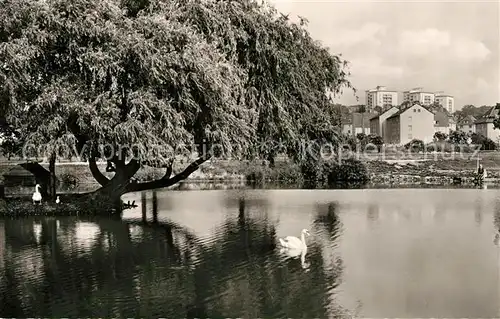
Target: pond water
[{"x": 414, "y": 253}]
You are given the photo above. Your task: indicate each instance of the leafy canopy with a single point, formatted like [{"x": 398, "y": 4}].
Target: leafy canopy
[{"x": 161, "y": 73}]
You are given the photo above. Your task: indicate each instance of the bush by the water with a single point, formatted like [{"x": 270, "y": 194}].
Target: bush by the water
[
  {"x": 484, "y": 142},
  {"x": 283, "y": 172},
  {"x": 348, "y": 171},
  {"x": 69, "y": 181},
  {"x": 317, "y": 172},
  {"x": 415, "y": 145},
  {"x": 447, "y": 147}
]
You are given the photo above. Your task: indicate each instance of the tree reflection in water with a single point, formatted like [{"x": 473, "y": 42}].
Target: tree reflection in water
[
  {"x": 496, "y": 223},
  {"x": 161, "y": 271}
]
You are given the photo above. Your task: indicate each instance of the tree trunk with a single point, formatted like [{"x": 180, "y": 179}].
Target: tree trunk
[
  {"x": 155, "y": 208},
  {"x": 109, "y": 195},
  {"x": 52, "y": 178},
  {"x": 144, "y": 208},
  {"x": 241, "y": 213},
  {"x": 271, "y": 159}
]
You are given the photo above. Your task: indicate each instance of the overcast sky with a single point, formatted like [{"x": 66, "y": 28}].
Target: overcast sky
[{"x": 440, "y": 46}]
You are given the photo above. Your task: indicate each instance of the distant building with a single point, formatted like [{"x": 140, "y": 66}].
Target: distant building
[
  {"x": 453, "y": 124},
  {"x": 446, "y": 101},
  {"x": 414, "y": 122},
  {"x": 347, "y": 128},
  {"x": 417, "y": 95},
  {"x": 380, "y": 96},
  {"x": 357, "y": 123},
  {"x": 443, "y": 123},
  {"x": 467, "y": 125},
  {"x": 378, "y": 123},
  {"x": 484, "y": 125}
]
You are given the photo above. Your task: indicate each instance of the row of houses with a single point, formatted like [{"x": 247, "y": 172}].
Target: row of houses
[
  {"x": 483, "y": 125},
  {"x": 400, "y": 126}
]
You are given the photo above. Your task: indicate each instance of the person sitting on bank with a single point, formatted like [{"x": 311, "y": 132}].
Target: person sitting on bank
[{"x": 480, "y": 170}]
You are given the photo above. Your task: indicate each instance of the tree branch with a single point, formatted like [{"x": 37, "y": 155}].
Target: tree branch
[
  {"x": 132, "y": 167},
  {"x": 110, "y": 167},
  {"x": 168, "y": 173},
  {"x": 166, "y": 182},
  {"x": 99, "y": 177}
]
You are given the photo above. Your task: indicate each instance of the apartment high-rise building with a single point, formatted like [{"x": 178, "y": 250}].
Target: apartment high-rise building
[
  {"x": 380, "y": 96},
  {"x": 446, "y": 101},
  {"x": 419, "y": 95}
]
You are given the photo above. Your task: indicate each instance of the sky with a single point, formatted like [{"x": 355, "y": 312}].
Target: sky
[{"x": 437, "y": 45}]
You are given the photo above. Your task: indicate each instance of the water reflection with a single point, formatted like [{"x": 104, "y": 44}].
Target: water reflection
[
  {"x": 108, "y": 268},
  {"x": 2, "y": 244},
  {"x": 397, "y": 253},
  {"x": 372, "y": 213},
  {"x": 478, "y": 213},
  {"x": 496, "y": 225}
]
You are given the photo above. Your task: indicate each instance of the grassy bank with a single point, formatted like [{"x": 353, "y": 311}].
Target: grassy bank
[
  {"x": 429, "y": 172},
  {"x": 76, "y": 177}
]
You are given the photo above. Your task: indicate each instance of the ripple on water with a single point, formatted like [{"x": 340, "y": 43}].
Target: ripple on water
[
  {"x": 228, "y": 267},
  {"x": 85, "y": 235}
]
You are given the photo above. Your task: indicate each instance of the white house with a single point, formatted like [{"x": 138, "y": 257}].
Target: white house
[
  {"x": 414, "y": 122},
  {"x": 467, "y": 125},
  {"x": 485, "y": 126}
]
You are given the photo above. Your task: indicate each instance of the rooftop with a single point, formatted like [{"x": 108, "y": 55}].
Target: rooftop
[
  {"x": 418, "y": 90},
  {"x": 490, "y": 115},
  {"x": 361, "y": 119},
  {"x": 469, "y": 119},
  {"x": 406, "y": 109},
  {"x": 381, "y": 88},
  {"x": 379, "y": 115},
  {"x": 442, "y": 119}
]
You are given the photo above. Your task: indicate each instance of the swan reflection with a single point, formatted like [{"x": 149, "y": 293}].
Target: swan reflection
[{"x": 296, "y": 252}]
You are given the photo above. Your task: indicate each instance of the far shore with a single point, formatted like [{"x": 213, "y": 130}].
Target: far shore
[{"x": 75, "y": 177}]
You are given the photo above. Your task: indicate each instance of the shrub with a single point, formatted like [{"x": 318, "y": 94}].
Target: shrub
[
  {"x": 312, "y": 173},
  {"x": 350, "y": 141},
  {"x": 440, "y": 136},
  {"x": 485, "y": 142},
  {"x": 415, "y": 145},
  {"x": 322, "y": 173},
  {"x": 350, "y": 170},
  {"x": 457, "y": 137},
  {"x": 257, "y": 175},
  {"x": 361, "y": 137},
  {"x": 489, "y": 145},
  {"x": 288, "y": 173},
  {"x": 431, "y": 147},
  {"x": 68, "y": 181},
  {"x": 376, "y": 140}
]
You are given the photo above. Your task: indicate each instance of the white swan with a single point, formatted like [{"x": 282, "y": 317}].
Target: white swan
[
  {"x": 58, "y": 200},
  {"x": 37, "y": 197},
  {"x": 292, "y": 242}
]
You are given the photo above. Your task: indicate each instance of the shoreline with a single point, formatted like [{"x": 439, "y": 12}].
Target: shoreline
[
  {"x": 21, "y": 206},
  {"x": 400, "y": 181},
  {"x": 75, "y": 177}
]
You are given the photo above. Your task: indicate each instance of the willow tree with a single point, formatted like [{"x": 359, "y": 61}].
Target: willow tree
[{"x": 156, "y": 74}]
